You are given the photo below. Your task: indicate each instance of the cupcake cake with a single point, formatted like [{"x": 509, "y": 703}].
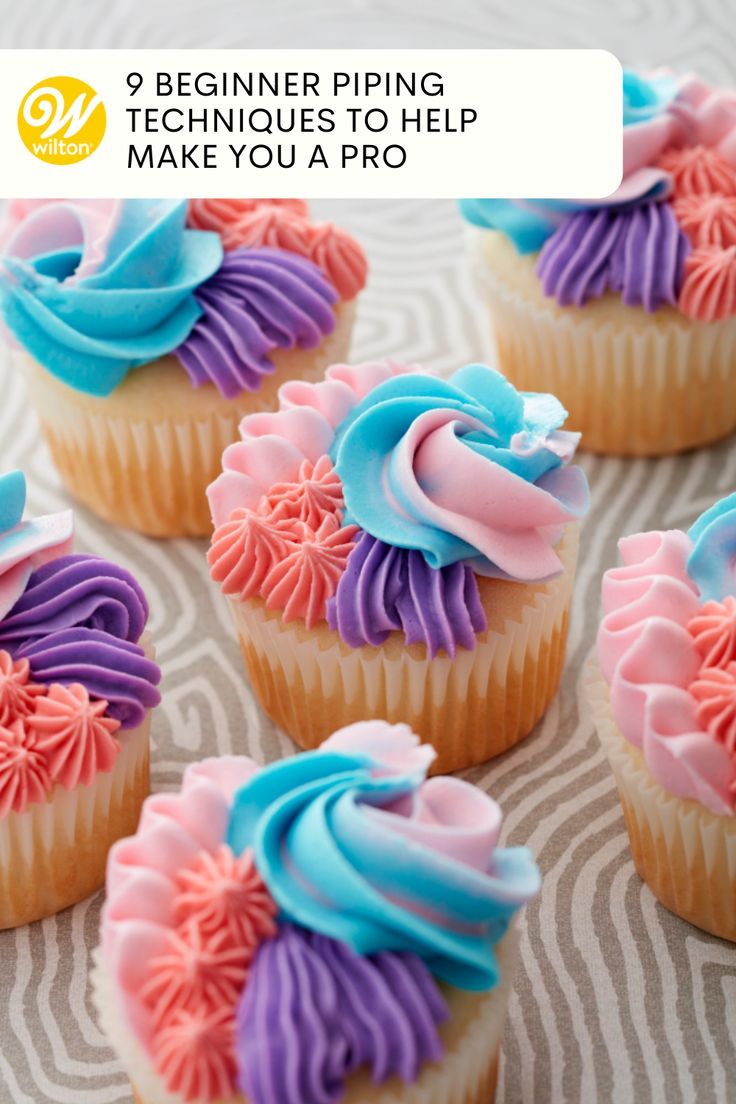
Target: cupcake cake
[
  {"x": 396, "y": 545},
  {"x": 329, "y": 927},
  {"x": 147, "y": 329},
  {"x": 664, "y": 702},
  {"x": 626, "y": 308},
  {"x": 77, "y": 686}
]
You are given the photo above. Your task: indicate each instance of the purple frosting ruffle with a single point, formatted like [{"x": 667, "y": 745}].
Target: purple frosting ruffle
[
  {"x": 73, "y": 592},
  {"x": 79, "y": 620},
  {"x": 638, "y": 253},
  {"x": 258, "y": 300},
  {"x": 314, "y": 1011},
  {"x": 116, "y": 670},
  {"x": 386, "y": 589}
]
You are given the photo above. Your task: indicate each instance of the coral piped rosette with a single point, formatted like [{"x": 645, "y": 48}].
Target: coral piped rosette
[
  {"x": 329, "y": 927},
  {"x": 77, "y": 685},
  {"x": 588, "y": 298},
  {"x": 383, "y": 509},
  {"x": 285, "y": 224},
  {"x": 149, "y": 328},
  {"x": 666, "y": 710}
]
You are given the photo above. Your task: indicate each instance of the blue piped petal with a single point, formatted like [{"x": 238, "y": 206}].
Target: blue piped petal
[
  {"x": 12, "y": 499},
  {"x": 711, "y": 563}
]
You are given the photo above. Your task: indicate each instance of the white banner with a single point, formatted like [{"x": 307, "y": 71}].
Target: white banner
[{"x": 330, "y": 123}]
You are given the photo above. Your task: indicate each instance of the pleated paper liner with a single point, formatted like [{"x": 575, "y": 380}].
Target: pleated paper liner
[
  {"x": 55, "y": 853},
  {"x": 466, "y": 1074},
  {"x": 634, "y": 384},
  {"x": 685, "y": 853},
  {"x": 470, "y": 708},
  {"x": 143, "y": 456}
]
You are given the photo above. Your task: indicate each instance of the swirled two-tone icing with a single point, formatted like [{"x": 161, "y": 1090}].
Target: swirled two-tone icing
[
  {"x": 96, "y": 288},
  {"x": 665, "y": 647},
  {"x": 217, "y": 993},
  {"x": 382, "y": 859},
  {"x": 466, "y": 469},
  {"x": 91, "y": 321}
]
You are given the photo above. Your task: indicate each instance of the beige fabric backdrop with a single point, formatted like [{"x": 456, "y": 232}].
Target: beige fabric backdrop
[{"x": 615, "y": 998}]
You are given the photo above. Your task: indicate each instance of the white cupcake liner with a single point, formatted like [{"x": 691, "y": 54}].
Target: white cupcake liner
[
  {"x": 685, "y": 853},
  {"x": 470, "y": 708},
  {"x": 55, "y": 852},
  {"x": 144, "y": 456}
]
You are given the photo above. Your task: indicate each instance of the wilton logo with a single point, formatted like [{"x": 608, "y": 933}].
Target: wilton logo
[{"x": 61, "y": 120}]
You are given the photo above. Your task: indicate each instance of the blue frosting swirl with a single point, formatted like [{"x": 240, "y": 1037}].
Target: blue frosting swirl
[
  {"x": 646, "y": 97},
  {"x": 711, "y": 563},
  {"x": 461, "y": 469},
  {"x": 339, "y": 859},
  {"x": 12, "y": 499},
  {"x": 137, "y": 305}
]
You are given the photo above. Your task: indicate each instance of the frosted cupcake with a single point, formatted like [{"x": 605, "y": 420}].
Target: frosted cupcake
[
  {"x": 396, "y": 545},
  {"x": 329, "y": 927},
  {"x": 77, "y": 686},
  {"x": 144, "y": 342},
  {"x": 626, "y": 308},
  {"x": 664, "y": 702}
]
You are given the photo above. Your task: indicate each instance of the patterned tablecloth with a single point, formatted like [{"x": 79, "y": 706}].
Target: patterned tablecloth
[{"x": 615, "y": 999}]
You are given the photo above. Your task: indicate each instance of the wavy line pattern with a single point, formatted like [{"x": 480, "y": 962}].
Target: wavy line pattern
[{"x": 615, "y": 998}]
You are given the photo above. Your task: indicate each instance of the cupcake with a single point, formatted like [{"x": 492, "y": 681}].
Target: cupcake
[
  {"x": 625, "y": 308},
  {"x": 77, "y": 685},
  {"x": 664, "y": 702},
  {"x": 396, "y": 545},
  {"x": 144, "y": 341},
  {"x": 329, "y": 927}
]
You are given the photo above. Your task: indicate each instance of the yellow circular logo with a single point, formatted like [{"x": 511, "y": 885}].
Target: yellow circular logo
[{"x": 61, "y": 120}]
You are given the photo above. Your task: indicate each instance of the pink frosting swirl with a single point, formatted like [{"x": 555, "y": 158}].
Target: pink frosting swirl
[
  {"x": 699, "y": 115},
  {"x": 649, "y": 657}
]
